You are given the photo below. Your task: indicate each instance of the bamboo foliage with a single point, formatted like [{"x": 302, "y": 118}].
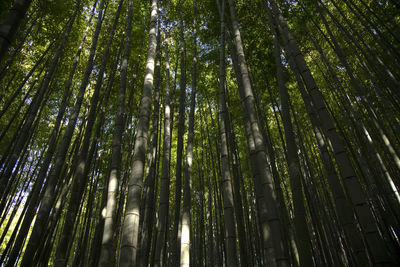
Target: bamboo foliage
[{"x": 264, "y": 133}]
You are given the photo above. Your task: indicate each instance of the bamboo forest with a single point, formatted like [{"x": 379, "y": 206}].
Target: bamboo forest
[{"x": 199, "y": 133}]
